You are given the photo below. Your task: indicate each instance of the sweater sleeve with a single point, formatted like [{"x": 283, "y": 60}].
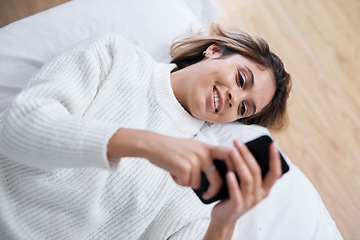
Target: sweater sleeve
[{"x": 45, "y": 127}]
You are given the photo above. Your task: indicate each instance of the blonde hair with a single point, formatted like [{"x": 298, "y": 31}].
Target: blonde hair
[{"x": 190, "y": 50}]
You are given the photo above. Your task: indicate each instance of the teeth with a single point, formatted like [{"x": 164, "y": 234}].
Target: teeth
[{"x": 216, "y": 100}]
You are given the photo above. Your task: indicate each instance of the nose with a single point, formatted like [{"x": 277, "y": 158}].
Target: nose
[
  {"x": 233, "y": 98},
  {"x": 230, "y": 97}
]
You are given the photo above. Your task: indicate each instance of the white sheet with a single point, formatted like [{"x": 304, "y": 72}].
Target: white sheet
[{"x": 293, "y": 210}]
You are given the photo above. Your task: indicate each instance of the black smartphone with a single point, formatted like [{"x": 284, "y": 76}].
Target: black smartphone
[{"x": 259, "y": 147}]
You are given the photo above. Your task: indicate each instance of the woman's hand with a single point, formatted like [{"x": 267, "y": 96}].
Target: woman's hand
[
  {"x": 185, "y": 159},
  {"x": 251, "y": 191}
]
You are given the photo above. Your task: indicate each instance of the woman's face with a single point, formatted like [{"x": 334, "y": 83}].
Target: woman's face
[{"x": 223, "y": 89}]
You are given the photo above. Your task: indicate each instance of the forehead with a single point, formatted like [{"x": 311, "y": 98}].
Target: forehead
[{"x": 247, "y": 61}]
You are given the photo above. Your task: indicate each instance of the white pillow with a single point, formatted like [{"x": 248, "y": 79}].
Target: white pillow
[{"x": 27, "y": 44}]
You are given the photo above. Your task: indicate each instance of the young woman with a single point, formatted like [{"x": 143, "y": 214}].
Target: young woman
[{"x": 91, "y": 148}]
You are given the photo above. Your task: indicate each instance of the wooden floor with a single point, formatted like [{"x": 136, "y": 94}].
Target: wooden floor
[{"x": 319, "y": 41}]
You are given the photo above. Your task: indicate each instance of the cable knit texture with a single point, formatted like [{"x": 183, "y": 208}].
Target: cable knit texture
[{"x": 55, "y": 179}]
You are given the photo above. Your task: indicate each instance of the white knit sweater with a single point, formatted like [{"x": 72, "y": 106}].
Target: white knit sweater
[{"x": 55, "y": 179}]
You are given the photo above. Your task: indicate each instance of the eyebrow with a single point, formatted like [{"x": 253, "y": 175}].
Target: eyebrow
[
  {"x": 254, "y": 107},
  {"x": 251, "y": 85},
  {"x": 251, "y": 76}
]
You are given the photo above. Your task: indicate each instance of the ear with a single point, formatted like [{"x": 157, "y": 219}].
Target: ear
[{"x": 213, "y": 51}]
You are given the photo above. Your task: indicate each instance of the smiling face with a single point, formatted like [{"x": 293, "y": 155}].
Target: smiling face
[{"x": 223, "y": 89}]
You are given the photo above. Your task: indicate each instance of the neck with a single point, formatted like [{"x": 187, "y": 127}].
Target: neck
[{"x": 178, "y": 80}]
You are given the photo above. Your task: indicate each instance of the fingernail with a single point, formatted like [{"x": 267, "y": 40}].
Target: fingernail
[
  {"x": 239, "y": 143},
  {"x": 234, "y": 152},
  {"x": 231, "y": 176},
  {"x": 205, "y": 196}
]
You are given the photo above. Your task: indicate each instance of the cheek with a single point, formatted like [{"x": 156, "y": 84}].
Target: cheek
[{"x": 230, "y": 116}]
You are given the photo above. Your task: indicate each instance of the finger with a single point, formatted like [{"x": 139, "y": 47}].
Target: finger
[
  {"x": 222, "y": 153},
  {"x": 253, "y": 166},
  {"x": 275, "y": 171},
  {"x": 195, "y": 176},
  {"x": 243, "y": 172},
  {"x": 182, "y": 181},
  {"x": 214, "y": 178},
  {"x": 176, "y": 179},
  {"x": 234, "y": 188},
  {"x": 215, "y": 182},
  {"x": 182, "y": 175}
]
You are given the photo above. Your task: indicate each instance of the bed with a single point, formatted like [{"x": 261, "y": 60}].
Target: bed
[{"x": 293, "y": 210}]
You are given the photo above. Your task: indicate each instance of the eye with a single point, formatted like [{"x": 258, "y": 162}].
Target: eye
[
  {"x": 243, "y": 109},
  {"x": 241, "y": 80}
]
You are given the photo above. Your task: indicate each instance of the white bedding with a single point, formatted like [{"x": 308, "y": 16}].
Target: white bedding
[{"x": 293, "y": 209}]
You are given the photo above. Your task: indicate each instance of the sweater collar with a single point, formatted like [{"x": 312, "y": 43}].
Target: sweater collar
[{"x": 165, "y": 97}]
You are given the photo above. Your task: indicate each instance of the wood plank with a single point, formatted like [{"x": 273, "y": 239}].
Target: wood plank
[{"x": 13, "y": 10}]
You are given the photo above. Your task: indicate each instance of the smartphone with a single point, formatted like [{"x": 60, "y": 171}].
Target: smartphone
[{"x": 259, "y": 147}]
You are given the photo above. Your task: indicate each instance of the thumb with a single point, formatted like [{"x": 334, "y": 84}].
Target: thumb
[{"x": 222, "y": 153}]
